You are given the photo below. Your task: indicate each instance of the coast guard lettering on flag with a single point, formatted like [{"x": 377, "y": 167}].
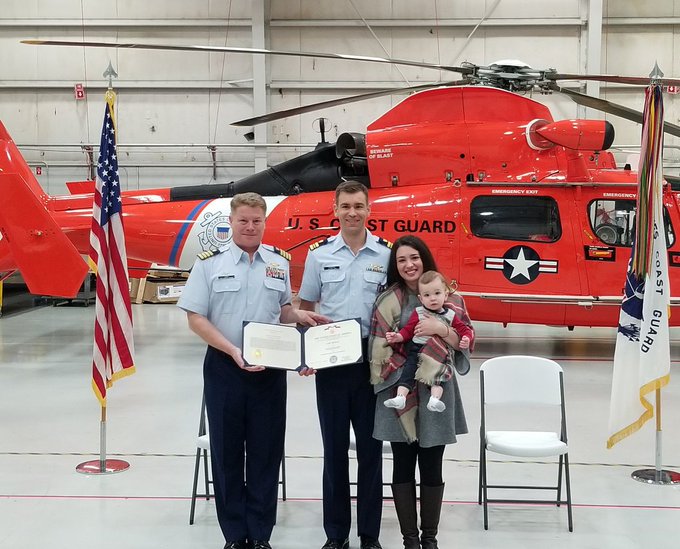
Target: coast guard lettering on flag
[
  {"x": 642, "y": 354},
  {"x": 113, "y": 343}
]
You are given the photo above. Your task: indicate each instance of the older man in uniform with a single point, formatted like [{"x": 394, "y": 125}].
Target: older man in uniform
[
  {"x": 344, "y": 274},
  {"x": 246, "y": 405}
]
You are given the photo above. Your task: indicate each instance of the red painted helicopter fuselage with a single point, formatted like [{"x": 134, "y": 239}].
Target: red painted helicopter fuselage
[{"x": 531, "y": 223}]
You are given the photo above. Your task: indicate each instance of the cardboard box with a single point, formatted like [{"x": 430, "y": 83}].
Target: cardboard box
[
  {"x": 167, "y": 274},
  {"x": 137, "y": 286},
  {"x": 162, "y": 290}
]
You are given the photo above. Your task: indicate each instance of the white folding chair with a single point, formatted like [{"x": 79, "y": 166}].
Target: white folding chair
[
  {"x": 514, "y": 383},
  {"x": 386, "y": 451},
  {"x": 202, "y": 448}
]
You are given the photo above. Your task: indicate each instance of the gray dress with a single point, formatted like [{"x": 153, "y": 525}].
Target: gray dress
[{"x": 432, "y": 428}]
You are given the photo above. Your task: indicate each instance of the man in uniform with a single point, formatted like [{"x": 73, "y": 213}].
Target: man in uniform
[
  {"x": 246, "y": 405},
  {"x": 344, "y": 274}
]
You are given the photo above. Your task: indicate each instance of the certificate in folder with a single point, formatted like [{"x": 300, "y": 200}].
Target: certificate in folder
[{"x": 292, "y": 347}]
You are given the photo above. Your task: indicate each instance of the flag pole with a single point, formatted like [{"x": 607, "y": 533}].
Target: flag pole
[
  {"x": 104, "y": 288},
  {"x": 657, "y": 475},
  {"x": 102, "y": 466},
  {"x": 102, "y": 441},
  {"x": 659, "y": 453}
]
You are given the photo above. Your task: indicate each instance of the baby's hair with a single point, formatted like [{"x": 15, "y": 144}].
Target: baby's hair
[{"x": 430, "y": 276}]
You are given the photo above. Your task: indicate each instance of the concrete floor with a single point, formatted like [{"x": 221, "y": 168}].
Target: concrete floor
[{"x": 49, "y": 422}]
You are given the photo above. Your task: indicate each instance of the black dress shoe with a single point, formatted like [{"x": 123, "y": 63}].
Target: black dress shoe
[
  {"x": 241, "y": 544},
  {"x": 259, "y": 544},
  {"x": 336, "y": 544},
  {"x": 370, "y": 543}
]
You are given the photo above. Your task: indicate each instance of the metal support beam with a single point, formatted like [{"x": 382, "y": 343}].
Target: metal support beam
[
  {"x": 205, "y": 23},
  {"x": 594, "y": 52},
  {"x": 89, "y": 156},
  {"x": 261, "y": 15},
  {"x": 213, "y": 156},
  {"x": 218, "y": 23}
]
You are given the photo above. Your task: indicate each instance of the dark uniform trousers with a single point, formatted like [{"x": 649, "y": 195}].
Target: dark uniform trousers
[
  {"x": 344, "y": 394},
  {"x": 247, "y": 422}
]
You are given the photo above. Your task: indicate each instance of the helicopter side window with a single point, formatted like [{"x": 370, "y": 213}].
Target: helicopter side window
[
  {"x": 613, "y": 222},
  {"x": 525, "y": 218},
  {"x": 670, "y": 235}
]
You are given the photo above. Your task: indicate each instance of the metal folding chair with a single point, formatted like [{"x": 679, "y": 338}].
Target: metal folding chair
[
  {"x": 386, "y": 451},
  {"x": 515, "y": 383},
  {"x": 202, "y": 448}
]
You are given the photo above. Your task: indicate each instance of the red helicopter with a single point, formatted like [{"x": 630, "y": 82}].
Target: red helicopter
[{"x": 530, "y": 216}]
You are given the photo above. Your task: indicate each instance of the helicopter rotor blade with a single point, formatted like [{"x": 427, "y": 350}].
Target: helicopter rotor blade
[
  {"x": 475, "y": 74},
  {"x": 468, "y": 69},
  {"x": 634, "y": 80},
  {"x": 612, "y": 108},
  {"x": 230, "y": 49},
  {"x": 278, "y": 115}
]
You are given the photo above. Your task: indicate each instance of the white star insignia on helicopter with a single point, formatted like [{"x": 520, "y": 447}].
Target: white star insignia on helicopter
[{"x": 521, "y": 265}]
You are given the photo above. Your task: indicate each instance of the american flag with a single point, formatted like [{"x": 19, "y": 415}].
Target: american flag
[{"x": 113, "y": 343}]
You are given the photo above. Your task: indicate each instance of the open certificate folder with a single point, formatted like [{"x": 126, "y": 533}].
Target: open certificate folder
[{"x": 291, "y": 347}]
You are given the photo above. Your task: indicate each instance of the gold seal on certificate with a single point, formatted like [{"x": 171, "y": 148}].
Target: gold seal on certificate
[
  {"x": 272, "y": 345},
  {"x": 290, "y": 347}
]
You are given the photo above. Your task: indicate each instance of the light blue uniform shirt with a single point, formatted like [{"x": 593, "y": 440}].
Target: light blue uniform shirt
[
  {"x": 228, "y": 289},
  {"x": 344, "y": 284}
]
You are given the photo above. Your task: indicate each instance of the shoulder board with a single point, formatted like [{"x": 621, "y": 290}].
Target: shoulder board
[
  {"x": 209, "y": 253},
  {"x": 283, "y": 253},
  {"x": 319, "y": 243},
  {"x": 384, "y": 242}
]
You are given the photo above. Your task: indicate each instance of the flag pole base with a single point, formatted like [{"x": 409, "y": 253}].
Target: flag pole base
[
  {"x": 654, "y": 476},
  {"x": 94, "y": 467}
]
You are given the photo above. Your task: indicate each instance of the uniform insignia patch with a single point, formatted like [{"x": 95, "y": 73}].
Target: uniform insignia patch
[
  {"x": 209, "y": 253},
  {"x": 317, "y": 244},
  {"x": 283, "y": 253},
  {"x": 273, "y": 270},
  {"x": 376, "y": 268},
  {"x": 384, "y": 242}
]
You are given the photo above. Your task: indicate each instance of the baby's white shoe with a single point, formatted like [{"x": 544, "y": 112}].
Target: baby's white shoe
[
  {"x": 434, "y": 405},
  {"x": 397, "y": 402}
]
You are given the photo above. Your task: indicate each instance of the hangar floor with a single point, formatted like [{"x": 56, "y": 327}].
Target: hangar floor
[{"x": 50, "y": 423}]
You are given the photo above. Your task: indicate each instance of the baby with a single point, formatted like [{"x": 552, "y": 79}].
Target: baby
[{"x": 432, "y": 293}]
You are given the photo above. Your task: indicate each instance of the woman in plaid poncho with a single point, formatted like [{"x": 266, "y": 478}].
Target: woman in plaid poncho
[{"x": 416, "y": 436}]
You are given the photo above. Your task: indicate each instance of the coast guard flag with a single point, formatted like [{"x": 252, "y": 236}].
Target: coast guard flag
[
  {"x": 642, "y": 354},
  {"x": 113, "y": 343}
]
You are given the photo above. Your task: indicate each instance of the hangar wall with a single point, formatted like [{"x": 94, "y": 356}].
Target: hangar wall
[{"x": 181, "y": 98}]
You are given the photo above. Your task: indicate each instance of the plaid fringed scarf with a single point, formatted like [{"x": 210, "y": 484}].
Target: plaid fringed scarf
[
  {"x": 386, "y": 318},
  {"x": 435, "y": 364}
]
